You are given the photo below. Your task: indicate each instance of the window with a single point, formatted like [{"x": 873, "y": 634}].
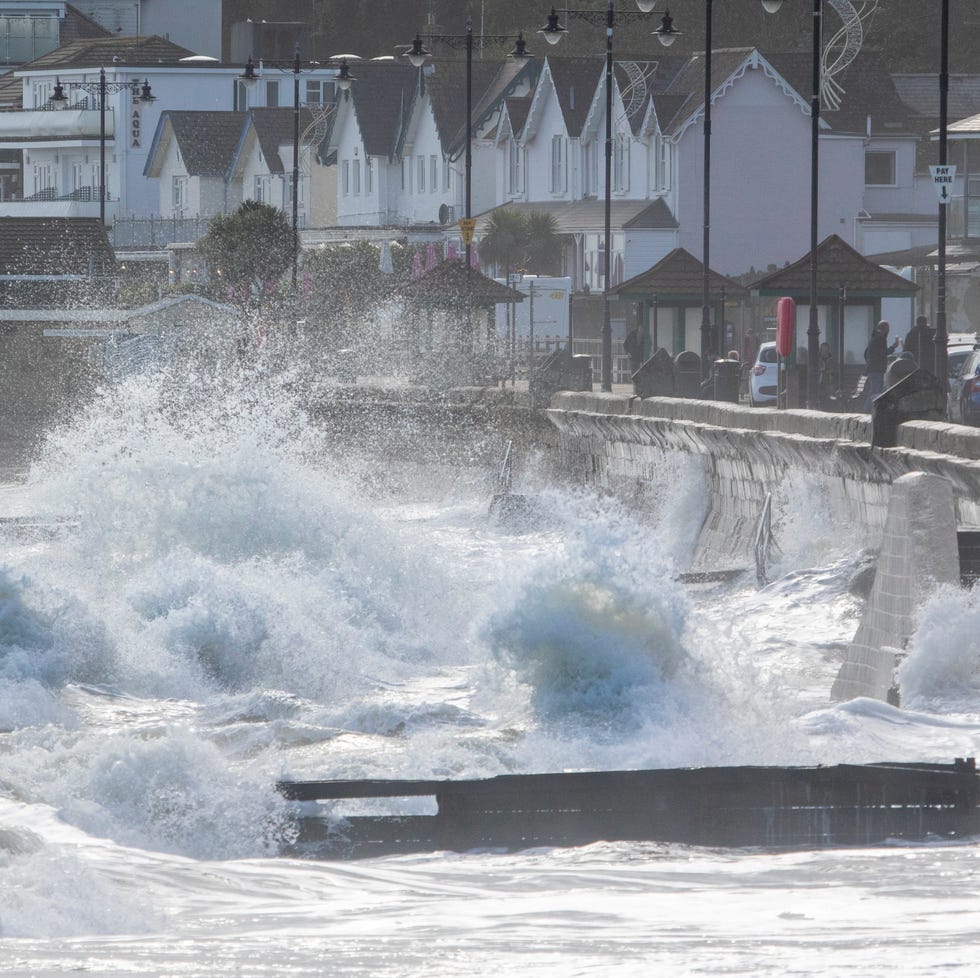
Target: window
[
  {"x": 368, "y": 176},
  {"x": 405, "y": 180},
  {"x": 23, "y": 39},
  {"x": 77, "y": 176},
  {"x": 662, "y": 181},
  {"x": 43, "y": 178},
  {"x": 42, "y": 94},
  {"x": 263, "y": 188},
  {"x": 272, "y": 94},
  {"x": 879, "y": 169},
  {"x": 433, "y": 174},
  {"x": 239, "y": 96},
  {"x": 590, "y": 164},
  {"x": 559, "y": 165},
  {"x": 319, "y": 92},
  {"x": 178, "y": 195},
  {"x": 357, "y": 177},
  {"x": 447, "y": 172},
  {"x": 345, "y": 178},
  {"x": 621, "y": 164},
  {"x": 515, "y": 167},
  {"x": 420, "y": 167}
]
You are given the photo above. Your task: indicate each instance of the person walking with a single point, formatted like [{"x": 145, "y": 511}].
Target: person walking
[
  {"x": 921, "y": 343},
  {"x": 876, "y": 356}
]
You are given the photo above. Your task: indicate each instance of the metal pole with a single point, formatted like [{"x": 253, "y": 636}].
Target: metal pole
[
  {"x": 942, "y": 336},
  {"x": 606, "y": 323},
  {"x": 706, "y": 243},
  {"x": 102, "y": 91},
  {"x": 296, "y": 67},
  {"x": 468, "y": 166},
  {"x": 813, "y": 331}
]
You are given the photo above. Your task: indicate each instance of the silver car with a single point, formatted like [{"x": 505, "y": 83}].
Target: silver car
[{"x": 763, "y": 378}]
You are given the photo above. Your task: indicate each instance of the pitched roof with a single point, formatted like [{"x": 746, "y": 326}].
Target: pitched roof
[
  {"x": 449, "y": 283},
  {"x": 921, "y": 94},
  {"x": 382, "y": 98},
  {"x": 574, "y": 216},
  {"x": 105, "y": 52},
  {"x": 575, "y": 82},
  {"x": 838, "y": 264},
  {"x": 446, "y": 86},
  {"x": 274, "y": 128},
  {"x": 517, "y": 110},
  {"x": 679, "y": 275},
  {"x": 207, "y": 140},
  {"x": 55, "y": 246},
  {"x": 657, "y": 216}
]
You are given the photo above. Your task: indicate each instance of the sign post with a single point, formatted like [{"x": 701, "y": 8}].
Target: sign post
[{"x": 942, "y": 179}]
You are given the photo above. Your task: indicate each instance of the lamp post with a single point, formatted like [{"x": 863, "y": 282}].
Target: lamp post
[
  {"x": 942, "y": 336},
  {"x": 250, "y": 77},
  {"x": 101, "y": 88},
  {"x": 553, "y": 33},
  {"x": 417, "y": 54},
  {"x": 813, "y": 330}
]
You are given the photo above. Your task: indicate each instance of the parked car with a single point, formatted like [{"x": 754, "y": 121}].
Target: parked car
[
  {"x": 967, "y": 398},
  {"x": 763, "y": 379},
  {"x": 957, "y": 354}
]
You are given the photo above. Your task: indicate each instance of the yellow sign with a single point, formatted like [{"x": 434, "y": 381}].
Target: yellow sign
[{"x": 467, "y": 225}]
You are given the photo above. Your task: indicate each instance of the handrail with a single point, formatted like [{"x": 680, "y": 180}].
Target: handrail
[{"x": 764, "y": 541}]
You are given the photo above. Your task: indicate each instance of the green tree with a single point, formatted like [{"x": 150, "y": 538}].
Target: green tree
[
  {"x": 247, "y": 252},
  {"x": 514, "y": 239}
]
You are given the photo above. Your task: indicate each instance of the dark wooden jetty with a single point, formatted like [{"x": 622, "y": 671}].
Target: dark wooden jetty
[{"x": 772, "y": 807}]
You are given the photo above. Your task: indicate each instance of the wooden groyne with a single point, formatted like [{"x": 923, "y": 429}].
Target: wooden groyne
[{"x": 771, "y": 807}]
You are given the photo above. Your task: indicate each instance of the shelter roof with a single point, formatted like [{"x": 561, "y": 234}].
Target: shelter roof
[
  {"x": 55, "y": 246},
  {"x": 450, "y": 282},
  {"x": 678, "y": 275},
  {"x": 928, "y": 255},
  {"x": 838, "y": 264},
  {"x": 207, "y": 141}
]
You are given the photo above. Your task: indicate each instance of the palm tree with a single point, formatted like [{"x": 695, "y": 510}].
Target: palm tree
[
  {"x": 543, "y": 244},
  {"x": 503, "y": 240}
]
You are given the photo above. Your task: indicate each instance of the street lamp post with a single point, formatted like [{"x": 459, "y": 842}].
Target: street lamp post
[
  {"x": 102, "y": 88},
  {"x": 813, "y": 330},
  {"x": 249, "y": 77},
  {"x": 553, "y": 33},
  {"x": 417, "y": 54},
  {"x": 942, "y": 335}
]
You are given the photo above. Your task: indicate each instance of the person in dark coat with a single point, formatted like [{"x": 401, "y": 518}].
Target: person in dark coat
[
  {"x": 921, "y": 343},
  {"x": 826, "y": 376},
  {"x": 876, "y": 356},
  {"x": 633, "y": 345}
]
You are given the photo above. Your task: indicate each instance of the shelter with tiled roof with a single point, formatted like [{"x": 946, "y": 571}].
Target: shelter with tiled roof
[
  {"x": 850, "y": 291},
  {"x": 669, "y": 296}
]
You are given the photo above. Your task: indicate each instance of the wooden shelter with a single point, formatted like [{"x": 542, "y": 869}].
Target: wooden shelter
[
  {"x": 850, "y": 288},
  {"x": 669, "y": 298},
  {"x": 452, "y": 337}
]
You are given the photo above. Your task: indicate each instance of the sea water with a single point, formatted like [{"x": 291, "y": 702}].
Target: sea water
[{"x": 214, "y": 598}]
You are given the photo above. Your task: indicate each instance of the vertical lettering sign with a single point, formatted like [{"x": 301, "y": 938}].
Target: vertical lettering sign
[{"x": 135, "y": 126}]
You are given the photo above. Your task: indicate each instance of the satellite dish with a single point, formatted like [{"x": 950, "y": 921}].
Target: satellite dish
[{"x": 443, "y": 213}]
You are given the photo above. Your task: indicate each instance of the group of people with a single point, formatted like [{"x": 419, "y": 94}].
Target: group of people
[{"x": 919, "y": 347}]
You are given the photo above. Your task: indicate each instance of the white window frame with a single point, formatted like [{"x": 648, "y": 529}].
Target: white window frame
[
  {"x": 433, "y": 174},
  {"x": 368, "y": 175},
  {"x": 345, "y": 178},
  {"x": 356, "y": 189},
  {"x": 621, "y": 164},
  {"x": 420, "y": 173},
  {"x": 515, "y": 167},
  {"x": 559, "y": 164},
  {"x": 178, "y": 194},
  {"x": 447, "y": 175}
]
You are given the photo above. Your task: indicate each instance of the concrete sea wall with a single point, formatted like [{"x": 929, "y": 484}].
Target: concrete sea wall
[{"x": 617, "y": 443}]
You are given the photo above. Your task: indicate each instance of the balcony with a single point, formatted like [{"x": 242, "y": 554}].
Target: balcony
[
  {"x": 40, "y": 126},
  {"x": 83, "y": 202}
]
